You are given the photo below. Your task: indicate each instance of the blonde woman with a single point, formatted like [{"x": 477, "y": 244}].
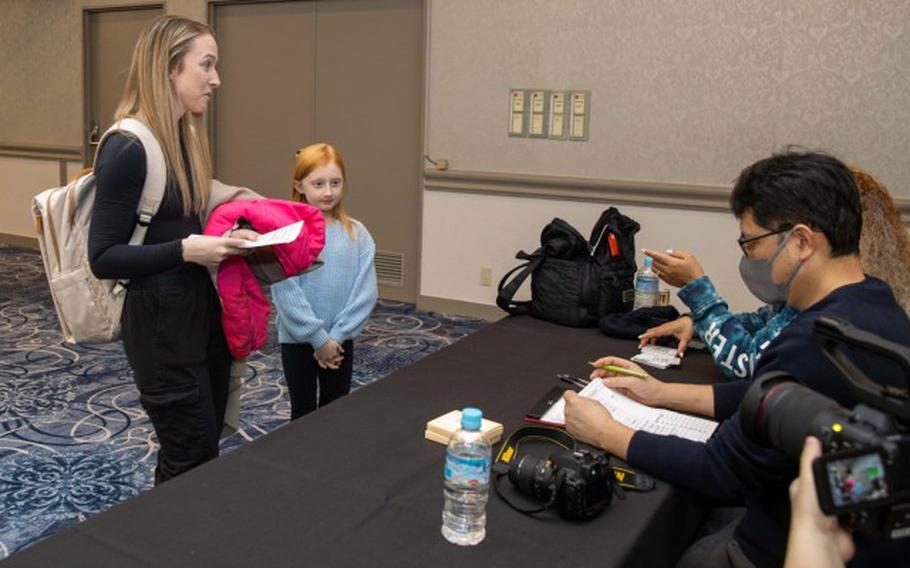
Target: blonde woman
[
  {"x": 884, "y": 246},
  {"x": 320, "y": 312},
  {"x": 171, "y": 317}
]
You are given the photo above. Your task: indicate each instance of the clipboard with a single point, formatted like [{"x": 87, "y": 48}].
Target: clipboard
[{"x": 543, "y": 405}]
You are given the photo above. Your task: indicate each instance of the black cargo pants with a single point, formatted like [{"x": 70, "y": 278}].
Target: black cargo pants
[{"x": 176, "y": 347}]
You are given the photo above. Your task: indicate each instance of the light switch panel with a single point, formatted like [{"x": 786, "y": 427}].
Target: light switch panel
[
  {"x": 580, "y": 115},
  {"x": 539, "y": 103},
  {"x": 518, "y": 112},
  {"x": 557, "y": 119}
]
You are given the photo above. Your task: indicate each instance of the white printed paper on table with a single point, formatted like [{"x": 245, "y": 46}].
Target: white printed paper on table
[{"x": 637, "y": 416}]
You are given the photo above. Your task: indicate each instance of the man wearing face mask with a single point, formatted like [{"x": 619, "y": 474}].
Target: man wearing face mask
[{"x": 800, "y": 222}]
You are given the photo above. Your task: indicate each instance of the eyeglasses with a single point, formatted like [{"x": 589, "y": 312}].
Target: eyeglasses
[{"x": 742, "y": 242}]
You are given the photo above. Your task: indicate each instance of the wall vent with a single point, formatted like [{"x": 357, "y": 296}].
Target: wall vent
[{"x": 390, "y": 268}]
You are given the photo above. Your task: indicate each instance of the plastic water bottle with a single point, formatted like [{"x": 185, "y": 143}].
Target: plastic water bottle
[
  {"x": 467, "y": 482},
  {"x": 647, "y": 288}
]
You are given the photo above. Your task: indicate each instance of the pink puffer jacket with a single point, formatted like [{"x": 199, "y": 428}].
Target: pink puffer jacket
[{"x": 245, "y": 309}]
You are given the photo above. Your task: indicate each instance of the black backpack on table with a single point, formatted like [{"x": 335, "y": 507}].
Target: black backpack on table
[{"x": 574, "y": 281}]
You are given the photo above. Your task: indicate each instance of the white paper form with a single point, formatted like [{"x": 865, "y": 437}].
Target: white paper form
[
  {"x": 638, "y": 416},
  {"x": 658, "y": 356},
  {"x": 280, "y": 236}
]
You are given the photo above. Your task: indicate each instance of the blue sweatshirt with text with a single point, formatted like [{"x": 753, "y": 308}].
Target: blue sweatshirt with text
[{"x": 734, "y": 340}]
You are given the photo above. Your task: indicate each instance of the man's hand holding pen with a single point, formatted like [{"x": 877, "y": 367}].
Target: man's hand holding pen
[
  {"x": 629, "y": 379},
  {"x": 590, "y": 422}
]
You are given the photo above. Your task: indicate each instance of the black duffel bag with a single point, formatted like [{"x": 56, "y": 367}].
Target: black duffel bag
[{"x": 575, "y": 281}]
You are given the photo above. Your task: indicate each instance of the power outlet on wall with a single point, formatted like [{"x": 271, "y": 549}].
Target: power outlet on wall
[{"x": 486, "y": 276}]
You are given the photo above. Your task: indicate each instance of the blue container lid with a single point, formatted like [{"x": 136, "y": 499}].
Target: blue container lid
[
  {"x": 470, "y": 418},
  {"x": 648, "y": 261}
]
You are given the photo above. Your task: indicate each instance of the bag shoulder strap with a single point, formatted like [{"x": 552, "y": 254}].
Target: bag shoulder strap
[
  {"x": 506, "y": 290},
  {"x": 155, "y": 177},
  {"x": 155, "y": 174}
]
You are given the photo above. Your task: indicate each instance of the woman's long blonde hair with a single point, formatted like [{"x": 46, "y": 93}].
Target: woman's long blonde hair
[
  {"x": 315, "y": 156},
  {"x": 159, "y": 52},
  {"x": 884, "y": 244}
]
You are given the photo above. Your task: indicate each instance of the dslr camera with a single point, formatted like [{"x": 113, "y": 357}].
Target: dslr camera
[
  {"x": 864, "y": 474},
  {"x": 578, "y": 484}
]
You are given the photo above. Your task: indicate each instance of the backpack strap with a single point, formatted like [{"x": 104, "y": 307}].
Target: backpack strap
[
  {"x": 155, "y": 178},
  {"x": 506, "y": 291}
]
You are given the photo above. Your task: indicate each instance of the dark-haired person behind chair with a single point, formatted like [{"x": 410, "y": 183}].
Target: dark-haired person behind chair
[
  {"x": 802, "y": 212},
  {"x": 171, "y": 321}
]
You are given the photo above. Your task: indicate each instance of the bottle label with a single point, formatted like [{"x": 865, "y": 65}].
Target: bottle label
[
  {"x": 470, "y": 471},
  {"x": 646, "y": 285}
]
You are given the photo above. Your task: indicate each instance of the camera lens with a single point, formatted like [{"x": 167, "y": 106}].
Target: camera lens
[
  {"x": 533, "y": 476},
  {"x": 779, "y": 412}
]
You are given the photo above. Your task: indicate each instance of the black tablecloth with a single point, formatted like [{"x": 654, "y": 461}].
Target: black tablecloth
[{"x": 356, "y": 484}]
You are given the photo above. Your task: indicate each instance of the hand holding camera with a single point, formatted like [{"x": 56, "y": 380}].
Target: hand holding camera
[{"x": 814, "y": 537}]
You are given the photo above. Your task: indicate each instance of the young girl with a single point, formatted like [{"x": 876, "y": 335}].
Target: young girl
[{"x": 320, "y": 312}]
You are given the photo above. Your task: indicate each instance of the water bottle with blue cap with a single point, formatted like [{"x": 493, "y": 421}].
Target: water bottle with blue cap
[
  {"x": 467, "y": 482},
  {"x": 647, "y": 286}
]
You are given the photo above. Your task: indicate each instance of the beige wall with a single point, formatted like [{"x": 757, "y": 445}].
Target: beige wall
[
  {"x": 41, "y": 81},
  {"x": 686, "y": 92},
  {"x": 29, "y": 174},
  {"x": 41, "y": 92},
  {"x": 681, "y": 91},
  {"x": 41, "y": 78}
]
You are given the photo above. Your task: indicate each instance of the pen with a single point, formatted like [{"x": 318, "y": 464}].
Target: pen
[
  {"x": 574, "y": 381},
  {"x": 620, "y": 370}
]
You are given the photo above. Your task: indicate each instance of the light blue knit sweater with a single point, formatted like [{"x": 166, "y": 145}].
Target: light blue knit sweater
[{"x": 335, "y": 300}]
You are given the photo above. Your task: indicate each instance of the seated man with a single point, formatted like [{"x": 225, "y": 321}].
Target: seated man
[
  {"x": 800, "y": 223},
  {"x": 737, "y": 340}
]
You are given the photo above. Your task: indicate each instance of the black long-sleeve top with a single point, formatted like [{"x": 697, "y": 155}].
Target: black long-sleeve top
[{"x": 120, "y": 175}]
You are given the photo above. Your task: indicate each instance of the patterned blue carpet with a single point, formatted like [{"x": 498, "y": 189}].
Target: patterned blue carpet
[{"x": 74, "y": 439}]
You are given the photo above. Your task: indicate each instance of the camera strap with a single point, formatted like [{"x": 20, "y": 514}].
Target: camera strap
[
  {"x": 627, "y": 478},
  {"x": 509, "y": 448}
]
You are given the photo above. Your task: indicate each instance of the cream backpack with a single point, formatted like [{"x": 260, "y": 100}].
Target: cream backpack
[{"x": 88, "y": 307}]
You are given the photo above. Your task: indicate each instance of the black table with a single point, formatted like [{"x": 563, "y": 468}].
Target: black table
[{"x": 356, "y": 484}]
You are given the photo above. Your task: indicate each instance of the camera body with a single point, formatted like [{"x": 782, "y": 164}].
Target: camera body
[
  {"x": 864, "y": 474},
  {"x": 579, "y": 484}
]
